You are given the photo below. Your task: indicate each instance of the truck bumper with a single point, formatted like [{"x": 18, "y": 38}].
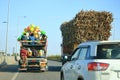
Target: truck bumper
[{"x": 22, "y": 69}]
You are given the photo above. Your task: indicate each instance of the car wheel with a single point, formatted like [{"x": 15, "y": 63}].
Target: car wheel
[{"x": 62, "y": 76}]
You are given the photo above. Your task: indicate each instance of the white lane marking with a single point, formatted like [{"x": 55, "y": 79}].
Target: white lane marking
[{"x": 15, "y": 76}]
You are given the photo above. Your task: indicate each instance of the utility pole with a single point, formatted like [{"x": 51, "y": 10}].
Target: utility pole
[{"x": 6, "y": 49}]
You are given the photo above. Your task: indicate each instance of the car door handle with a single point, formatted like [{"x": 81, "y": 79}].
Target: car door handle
[
  {"x": 71, "y": 66},
  {"x": 79, "y": 67}
]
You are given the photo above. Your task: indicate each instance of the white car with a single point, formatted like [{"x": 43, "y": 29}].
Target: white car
[{"x": 95, "y": 60}]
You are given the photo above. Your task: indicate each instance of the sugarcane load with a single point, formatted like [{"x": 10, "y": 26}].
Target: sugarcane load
[{"x": 85, "y": 26}]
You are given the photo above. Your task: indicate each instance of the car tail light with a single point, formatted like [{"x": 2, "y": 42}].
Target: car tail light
[{"x": 97, "y": 66}]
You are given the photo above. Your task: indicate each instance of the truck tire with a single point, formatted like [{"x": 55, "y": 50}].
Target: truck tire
[{"x": 20, "y": 62}]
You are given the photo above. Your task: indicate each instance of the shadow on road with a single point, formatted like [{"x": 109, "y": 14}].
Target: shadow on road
[
  {"x": 54, "y": 68},
  {"x": 50, "y": 68},
  {"x": 14, "y": 68},
  {"x": 9, "y": 68}
]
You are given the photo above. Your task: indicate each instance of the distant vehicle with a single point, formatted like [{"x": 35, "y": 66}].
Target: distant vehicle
[
  {"x": 96, "y": 60},
  {"x": 35, "y": 60},
  {"x": 33, "y": 49}
]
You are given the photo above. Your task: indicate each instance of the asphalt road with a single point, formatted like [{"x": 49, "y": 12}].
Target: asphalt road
[{"x": 10, "y": 72}]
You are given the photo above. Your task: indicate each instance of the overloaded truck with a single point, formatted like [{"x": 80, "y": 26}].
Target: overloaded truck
[
  {"x": 85, "y": 26},
  {"x": 33, "y": 49}
]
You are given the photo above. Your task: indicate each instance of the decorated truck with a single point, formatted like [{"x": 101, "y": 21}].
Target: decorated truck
[
  {"x": 85, "y": 26},
  {"x": 33, "y": 49}
]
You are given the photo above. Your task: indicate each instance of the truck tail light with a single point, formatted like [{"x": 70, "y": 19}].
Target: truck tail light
[
  {"x": 97, "y": 66},
  {"x": 43, "y": 64},
  {"x": 33, "y": 60}
]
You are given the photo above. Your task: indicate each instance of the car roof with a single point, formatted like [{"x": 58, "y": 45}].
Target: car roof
[
  {"x": 99, "y": 42},
  {"x": 93, "y": 45}
]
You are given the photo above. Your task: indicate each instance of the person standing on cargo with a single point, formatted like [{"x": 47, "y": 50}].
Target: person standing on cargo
[
  {"x": 32, "y": 38},
  {"x": 23, "y": 55},
  {"x": 24, "y": 36},
  {"x": 34, "y": 52}
]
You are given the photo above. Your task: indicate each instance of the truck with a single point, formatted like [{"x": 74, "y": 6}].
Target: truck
[
  {"x": 85, "y": 26},
  {"x": 36, "y": 53}
]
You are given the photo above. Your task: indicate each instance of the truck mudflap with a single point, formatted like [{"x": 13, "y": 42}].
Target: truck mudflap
[{"x": 43, "y": 66}]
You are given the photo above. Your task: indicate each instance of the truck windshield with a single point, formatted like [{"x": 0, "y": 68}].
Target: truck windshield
[{"x": 108, "y": 51}]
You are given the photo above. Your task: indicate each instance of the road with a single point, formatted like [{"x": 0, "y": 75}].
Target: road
[{"x": 10, "y": 72}]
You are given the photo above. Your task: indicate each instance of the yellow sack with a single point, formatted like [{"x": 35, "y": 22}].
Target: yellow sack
[
  {"x": 29, "y": 53},
  {"x": 41, "y": 53}
]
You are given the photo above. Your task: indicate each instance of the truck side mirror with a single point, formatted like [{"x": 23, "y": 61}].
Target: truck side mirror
[{"x": 17, "y": 58}]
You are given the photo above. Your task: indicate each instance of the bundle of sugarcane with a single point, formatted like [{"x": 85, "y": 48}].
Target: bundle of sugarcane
[{"x": 87, "y": 25}]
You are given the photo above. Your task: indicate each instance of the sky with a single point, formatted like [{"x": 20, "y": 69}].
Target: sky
[{"x": 49, "y": 15}]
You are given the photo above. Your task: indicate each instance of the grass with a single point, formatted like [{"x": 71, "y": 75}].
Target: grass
[{"x": 54, "y": 57}]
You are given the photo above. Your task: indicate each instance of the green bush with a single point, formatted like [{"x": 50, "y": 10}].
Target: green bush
[{"x": 54, "y": 57}]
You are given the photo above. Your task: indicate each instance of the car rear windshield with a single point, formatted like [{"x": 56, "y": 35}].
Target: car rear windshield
[{"x": 108, "y": 51}]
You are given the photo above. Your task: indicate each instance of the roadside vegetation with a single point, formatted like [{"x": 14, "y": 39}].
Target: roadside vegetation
[{"x": 54, "y": 57}]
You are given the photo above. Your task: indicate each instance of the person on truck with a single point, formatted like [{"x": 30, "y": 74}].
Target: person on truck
[
  {"x": 29, "y": 52},
  {"x": 23, "y": 55},
  {"x": 34, "y": 52},
  {"x": 41, "y": 53},
  {"x": 24, "y": 37},
  {"x": 32, "y": 38}
]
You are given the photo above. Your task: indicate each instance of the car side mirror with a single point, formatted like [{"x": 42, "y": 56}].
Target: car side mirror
[{"x": 65, "y": 59}]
